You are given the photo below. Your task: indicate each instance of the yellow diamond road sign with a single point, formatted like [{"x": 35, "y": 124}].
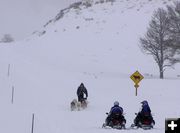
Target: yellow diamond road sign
[{"x": 136, "y": 77}]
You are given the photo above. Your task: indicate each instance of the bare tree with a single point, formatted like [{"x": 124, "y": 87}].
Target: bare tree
[
  {"x": 156, "y": 41},
  {"x": 174, "y": 30},
  {"x": 7, "y": 38}
]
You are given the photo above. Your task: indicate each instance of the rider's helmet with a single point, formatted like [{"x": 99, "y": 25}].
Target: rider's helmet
[
  {"x": 144, "y": 102},
  {"x": 116, "y": 103}
]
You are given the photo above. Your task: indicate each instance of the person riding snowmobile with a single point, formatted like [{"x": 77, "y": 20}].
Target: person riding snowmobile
[
  {"x": 145, "y": 113},
  {"x": 116, "y": 112},
  {"x": 80, "y": 93}
]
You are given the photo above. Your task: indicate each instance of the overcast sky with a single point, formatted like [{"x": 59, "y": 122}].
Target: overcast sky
[{"x": 21, "y": 17}]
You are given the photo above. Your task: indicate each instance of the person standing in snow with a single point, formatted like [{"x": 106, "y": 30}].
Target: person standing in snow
[{"x": 81, "y": 91}]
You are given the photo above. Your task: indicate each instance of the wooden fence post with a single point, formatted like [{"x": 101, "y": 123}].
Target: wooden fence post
[
  {"x": 8, "y": 74},
  {"x": 12, "y": 98},
  {"x": 32, "y": 129}
]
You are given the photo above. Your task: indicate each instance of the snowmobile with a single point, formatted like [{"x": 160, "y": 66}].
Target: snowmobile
[
  {"x": 146, "y": 122},
  {"x": 115, "y": 123}
]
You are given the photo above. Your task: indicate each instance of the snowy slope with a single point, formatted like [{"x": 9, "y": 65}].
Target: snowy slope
[
  {"x": 21, "y": 17},
  {"x": 98, "y": 46}
]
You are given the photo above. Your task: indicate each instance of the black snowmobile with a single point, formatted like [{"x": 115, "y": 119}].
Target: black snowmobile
[
  {"x": 145, "y": 122},
  {"x": 117, "y": 122}
]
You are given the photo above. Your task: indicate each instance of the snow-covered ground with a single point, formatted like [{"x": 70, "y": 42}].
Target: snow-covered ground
[{"x": 97, "y": 46}]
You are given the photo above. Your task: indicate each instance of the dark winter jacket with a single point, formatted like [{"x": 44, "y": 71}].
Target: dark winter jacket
[
  {"x": 146, "y": 109},
  {"x": 81, "y": 91},
  {"x": 116, "y": 109}
]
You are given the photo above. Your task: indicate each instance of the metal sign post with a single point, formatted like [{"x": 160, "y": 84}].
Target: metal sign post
[{"x": 136, "y": 86}]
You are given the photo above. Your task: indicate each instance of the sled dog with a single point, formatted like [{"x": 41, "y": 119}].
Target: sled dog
[
  {"x": 84, "y": 104},
  {"x": 74, "y": 104},
  {"x": 78, "y": 106}
]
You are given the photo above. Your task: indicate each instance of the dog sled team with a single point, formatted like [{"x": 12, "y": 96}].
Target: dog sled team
[
  {"x": 115, "y": 118},
  {"x": 82, "y": 102}
]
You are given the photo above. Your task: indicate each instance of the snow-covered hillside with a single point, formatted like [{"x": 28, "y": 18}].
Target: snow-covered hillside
[
  {"x": 21, "y": 17},
  {"x": 98, "y": 46}
]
